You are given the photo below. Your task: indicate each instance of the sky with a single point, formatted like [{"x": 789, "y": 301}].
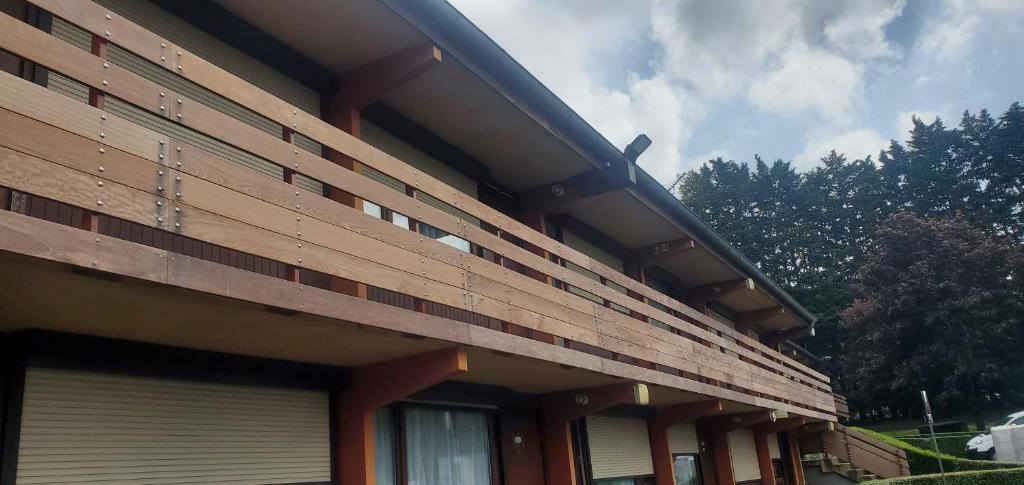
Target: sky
[{"x": 783, "y": 79}]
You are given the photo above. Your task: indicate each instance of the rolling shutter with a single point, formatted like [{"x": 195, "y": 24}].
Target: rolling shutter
[
  {"x": 619, "y": 447},
  {"x": 773, "y": 446},
  {"x": 682, "y": 438},
  {"x": 744, "y": 455},
  {"x": 585, "y": 247},
  {"x": 206, "y": 46},
  {"x": 394, "y": 146},
  {"x": 85, "y": 427}
]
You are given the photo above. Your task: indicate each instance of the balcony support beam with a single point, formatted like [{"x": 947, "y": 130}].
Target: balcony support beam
[
  {"x": 746, "y": 320},
  {"x": 657, "y": 429},
  {"x": 555, "y": 196},
  {"x": 663, "y": 251},
  {"x": 699, "y": 296},
  {"x": 376, "y": 385},
  {"x": 560, "y": 409}
]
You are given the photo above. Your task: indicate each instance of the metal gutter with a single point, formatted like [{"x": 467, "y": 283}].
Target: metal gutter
[{"x": 453, "y": 32}]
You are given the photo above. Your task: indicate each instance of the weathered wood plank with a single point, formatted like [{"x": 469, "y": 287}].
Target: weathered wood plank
[
  {"x": 33, "y": 237},
  {"x": 94, "y": 18},
  {"x": 68, "y": 149}
]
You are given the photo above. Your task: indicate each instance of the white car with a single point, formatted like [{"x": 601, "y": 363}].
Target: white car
[{"x": 981, "y": 447}]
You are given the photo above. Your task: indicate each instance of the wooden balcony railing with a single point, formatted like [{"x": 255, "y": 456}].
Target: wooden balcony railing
[
  {"x": 857, "y": 449},
  {"x": 181, "y": 198}
]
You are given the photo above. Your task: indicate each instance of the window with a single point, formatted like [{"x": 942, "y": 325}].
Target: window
[
  {"x": 687, "y": 469},
  {"x": 447, "y": 446}
]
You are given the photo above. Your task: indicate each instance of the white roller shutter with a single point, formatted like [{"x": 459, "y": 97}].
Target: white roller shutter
[
  {"x": 619, "y": 447},
  {"x": 773, "y": 446},
  {"x": 744, "y": 455},
  {"x": 80, "y": 427},
  {"x": 682, "y": 438}
]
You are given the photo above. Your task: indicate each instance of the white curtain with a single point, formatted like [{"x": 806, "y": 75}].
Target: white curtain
[
  {"x": 447, "y": 447},
  {"x": 385, "y": 449},
  {"x": 686, "y": 470}
]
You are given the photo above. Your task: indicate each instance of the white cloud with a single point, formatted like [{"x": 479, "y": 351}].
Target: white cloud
[
  {"x": 950, "y": 36},
  {"x": 855, "y": 144},
  {"x": 810, "y": 79},
  {"x": 860, "y": 30}
]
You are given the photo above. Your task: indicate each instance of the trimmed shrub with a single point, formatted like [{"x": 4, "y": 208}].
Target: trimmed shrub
[
  {"x": 923, "y": 461},
  {"x": 948, "y": 427},
  {"x": 951, "y": 445},
  {"x": 1012, "y": 476}
]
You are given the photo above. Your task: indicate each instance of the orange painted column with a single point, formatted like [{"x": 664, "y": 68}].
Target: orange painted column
[
  {"x": 661, "y": 454},
  {"x": 374, "y": 386},
  {"x": 795, "y": 462},
  {"x": 722, "y": 455},
  {"x": 560, "y": 409},
  {"x": 764, "y": 458}
]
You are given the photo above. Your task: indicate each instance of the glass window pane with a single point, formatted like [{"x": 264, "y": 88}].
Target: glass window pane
[
  {"x": 385, "y": 451},
  {"x": 371, "y": 209},
  {"x": 616, "y": 481},
  {"x": 686, "y": 470},
  {"x": 399, "y": 220},
  {"x": 447, "y": 447}
]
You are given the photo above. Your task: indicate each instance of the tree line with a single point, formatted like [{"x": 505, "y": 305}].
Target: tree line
[{"x": 911, "y": 261}]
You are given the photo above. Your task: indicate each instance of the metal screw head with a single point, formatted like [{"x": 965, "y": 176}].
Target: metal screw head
[
  {"x": 108, "y": 16},
  {"x": 99, "y": 202},
  {"x": 103, "y": 135},
  {"x": 177, "y": 179},
  {"x": 162, "y": 58},
  {"x": 106, "y": 32},
  {"x": 159, "y": 188},
  {"x": 177, "y": 209},
  {"x": 100, "y": 183},
  {"x": 300, "y": 260},
  {"x": 103, "y": 117},
  {"x": 161, "y": 156},
  {"x": 162, "y": 94},
  {"x": 160, "y": 173},
  {"x": 178, "y": 149},
  {"x": 179, "y": 100},
  {"x": 102, "y": 169},
  {"x": 162, "y": 141},
  {"x": 177, "y": 194},
  {"x": 106, "y": 65},
  {"x": 163, "y": 45},
  {"x": 179, "y": 115},
  {"x": 179, "y": 68},
  {"x": 105, "y": 82},
  {"x": 159, "y": 219},
  {"x": 103, "y": 150},
  {"x": 162, "y": 108},
  {"x": 177, "y": 224},
  {"x": 159, "y": 203}
]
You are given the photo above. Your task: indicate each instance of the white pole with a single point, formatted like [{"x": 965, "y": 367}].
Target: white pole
[{"x": 931, "y": 427}]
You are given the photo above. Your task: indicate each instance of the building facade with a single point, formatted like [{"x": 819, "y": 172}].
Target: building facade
[{"x": 354, "y": 242}]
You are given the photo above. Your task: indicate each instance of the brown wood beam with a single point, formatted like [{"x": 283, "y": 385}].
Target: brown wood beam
[
  {"x": 795, "y": 462},
  {"x": 369, "y": 83},
  {"x": 555, "y": 196},
  {"x": 746, "y": 320},
  {"x": 698, "y": 296},
  {"x": 733, "y": 422},
  {"x": 764, "y": 458},
  {"x": 378, "y": 384},
  {"x": 560, "y": 409},
  {"x": 657, "y": 429},
  {"x": 782, "y": 424},
  {"x": 663, "y": 251}
]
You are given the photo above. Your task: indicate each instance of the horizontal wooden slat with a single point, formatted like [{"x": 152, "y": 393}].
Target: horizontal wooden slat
[
  {"x": 194, "y": 68},
  {"x": 438, "y": 252},
  {"x": 116, "y": 130},
  {"x": 37, "y": 238}
]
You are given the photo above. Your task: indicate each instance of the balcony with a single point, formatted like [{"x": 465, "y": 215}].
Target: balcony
[{"x": 87, "y": 185}]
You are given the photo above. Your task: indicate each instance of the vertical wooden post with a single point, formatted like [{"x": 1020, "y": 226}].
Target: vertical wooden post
[
  {"x": 661, "y": 454},
  {"x": 722, "y": 456},
  {"x": 764, "y": 458},
  {"x": 374, "y": 386},
  {"x": 634, "y": 270},
  {"x": 795, "y": 462}
]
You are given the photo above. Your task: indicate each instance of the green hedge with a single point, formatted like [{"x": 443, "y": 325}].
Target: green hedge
[
  {"x": 1013, "y": 476},
  {"x": 923, "y": 461},
  {"x": 950, "y": 445},
  {"x": 948, "y": 427}
]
